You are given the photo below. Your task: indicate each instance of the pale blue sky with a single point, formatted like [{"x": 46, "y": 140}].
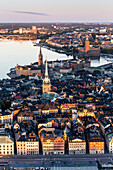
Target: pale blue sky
[{"x": 56, "y": 10}]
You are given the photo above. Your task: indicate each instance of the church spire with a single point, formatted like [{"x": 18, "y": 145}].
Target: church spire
[
  {"x": 46, "y": 87},
  {"x": 40, "y": 51},
  {"x": 40, "y": 57},
  {"x": 46, "y": 70},
  {"x": 87, "y": 38}
]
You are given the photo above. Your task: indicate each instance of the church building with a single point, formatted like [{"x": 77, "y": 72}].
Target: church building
[
  {"x": 40, "y": 58},
  {"x": 89, "y": 51},
  {"x": 46, "y": 87}
]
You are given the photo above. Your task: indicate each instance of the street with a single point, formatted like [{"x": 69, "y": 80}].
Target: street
[{"x": 54, "y": 160}]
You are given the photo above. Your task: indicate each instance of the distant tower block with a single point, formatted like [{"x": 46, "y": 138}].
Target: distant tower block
[
  {"x": 86, "y": 44},
  {"x": 33, "y": 27},
  {"x": 40, "y": 58},
  {"x": 46, "y": 87}
]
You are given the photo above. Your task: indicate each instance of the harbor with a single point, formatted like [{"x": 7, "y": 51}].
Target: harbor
[{"x": 23, "y": 52}]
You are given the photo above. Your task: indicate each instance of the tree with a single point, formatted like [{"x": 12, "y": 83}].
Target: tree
[
  {"x": 5, "y": 105},
  {"x": 97, "y": 72}
]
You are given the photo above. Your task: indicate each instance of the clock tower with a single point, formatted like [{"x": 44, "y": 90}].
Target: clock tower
[
  {"x": 46, "y": 87},
  {"x": 86, "y": 44}
]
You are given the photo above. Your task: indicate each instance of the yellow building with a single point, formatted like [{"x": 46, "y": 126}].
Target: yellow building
[
  {"x": 27, "y": 70},
  {"x": 53, "y": 144},
  {"x": 6, "y": 117},
  {"x": 24, "y": 116},
  {"x": 85, "y": 112},
  {"x": 77, "y": 146},
  {"x": 52, "y": 141},
  {"x": 46, "y": 87},
  {"x": 48, "y": 145}
]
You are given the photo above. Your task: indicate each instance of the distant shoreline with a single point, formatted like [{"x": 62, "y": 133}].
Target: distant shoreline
[{"x": 18, "y": 37}]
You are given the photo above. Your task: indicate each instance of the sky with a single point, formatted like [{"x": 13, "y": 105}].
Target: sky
[{"x": 56, "y": 11}]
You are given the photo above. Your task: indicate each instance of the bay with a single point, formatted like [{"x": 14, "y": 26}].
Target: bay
[{"x": 23, "y": 53}]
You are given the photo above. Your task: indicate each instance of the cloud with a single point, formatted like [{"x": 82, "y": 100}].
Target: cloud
[{"x": 30, "y": 13}]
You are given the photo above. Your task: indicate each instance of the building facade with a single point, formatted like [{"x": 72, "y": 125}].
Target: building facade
[
  {"x": 28, "y": 145},
  {"x": 109, "y": 142},
  {"x": 48, "y": 145},
  {"x": 6, "y": 145},
  {"x": 59, "y": 145},
  {"x": 6, "y": 117},
  {"x": 77, "y": 146},
  {"x": 96, "y": 146}
]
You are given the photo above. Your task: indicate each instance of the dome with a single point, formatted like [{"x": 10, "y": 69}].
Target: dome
[{"x": 50, "y": 95}]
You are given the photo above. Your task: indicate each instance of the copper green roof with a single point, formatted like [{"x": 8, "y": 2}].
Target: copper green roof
[{"x": 50, "y": 95}]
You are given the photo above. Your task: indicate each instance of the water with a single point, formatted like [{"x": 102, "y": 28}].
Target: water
[
  {"x": 99, "y": 62},
  {"x": 23, "y": 52}
]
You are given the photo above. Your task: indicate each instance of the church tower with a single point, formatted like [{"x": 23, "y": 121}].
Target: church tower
[
  {"x": 46, "y": 87},
  {"x": 40, "y": 58},
  {"x": 86, "y": 44}
]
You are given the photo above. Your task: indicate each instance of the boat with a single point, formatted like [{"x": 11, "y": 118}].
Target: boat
[
  {"x": 36, "y": 44},
  {"x": 110, "y": 59}
]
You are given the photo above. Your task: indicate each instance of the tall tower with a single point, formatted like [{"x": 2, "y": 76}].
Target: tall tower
[
  {"x": 86, "y": 44},
  {"x": 40, "y": 58},
  {"x": 46, "y": 81}
]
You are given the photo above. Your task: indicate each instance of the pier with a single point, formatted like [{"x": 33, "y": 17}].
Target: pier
[{"x": 105, "y": 66}]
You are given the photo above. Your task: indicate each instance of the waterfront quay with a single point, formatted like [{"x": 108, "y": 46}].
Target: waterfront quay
[{"x": 56, "y": 161}]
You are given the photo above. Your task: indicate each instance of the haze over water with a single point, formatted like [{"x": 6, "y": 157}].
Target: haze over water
[{"x": 23, "y": 53}]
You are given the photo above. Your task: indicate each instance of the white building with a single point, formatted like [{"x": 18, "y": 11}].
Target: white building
[
  {"x": 28, "y": 145},
  {"x": 6, "y": 145},
  {"x": 109, "y": 142}
]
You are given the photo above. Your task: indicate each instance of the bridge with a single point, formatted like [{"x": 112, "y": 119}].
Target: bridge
[
  {"x": 8, "y": 36},
  {"x": 105, "y": 65},
  {"x": 12, "y": 36}
]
